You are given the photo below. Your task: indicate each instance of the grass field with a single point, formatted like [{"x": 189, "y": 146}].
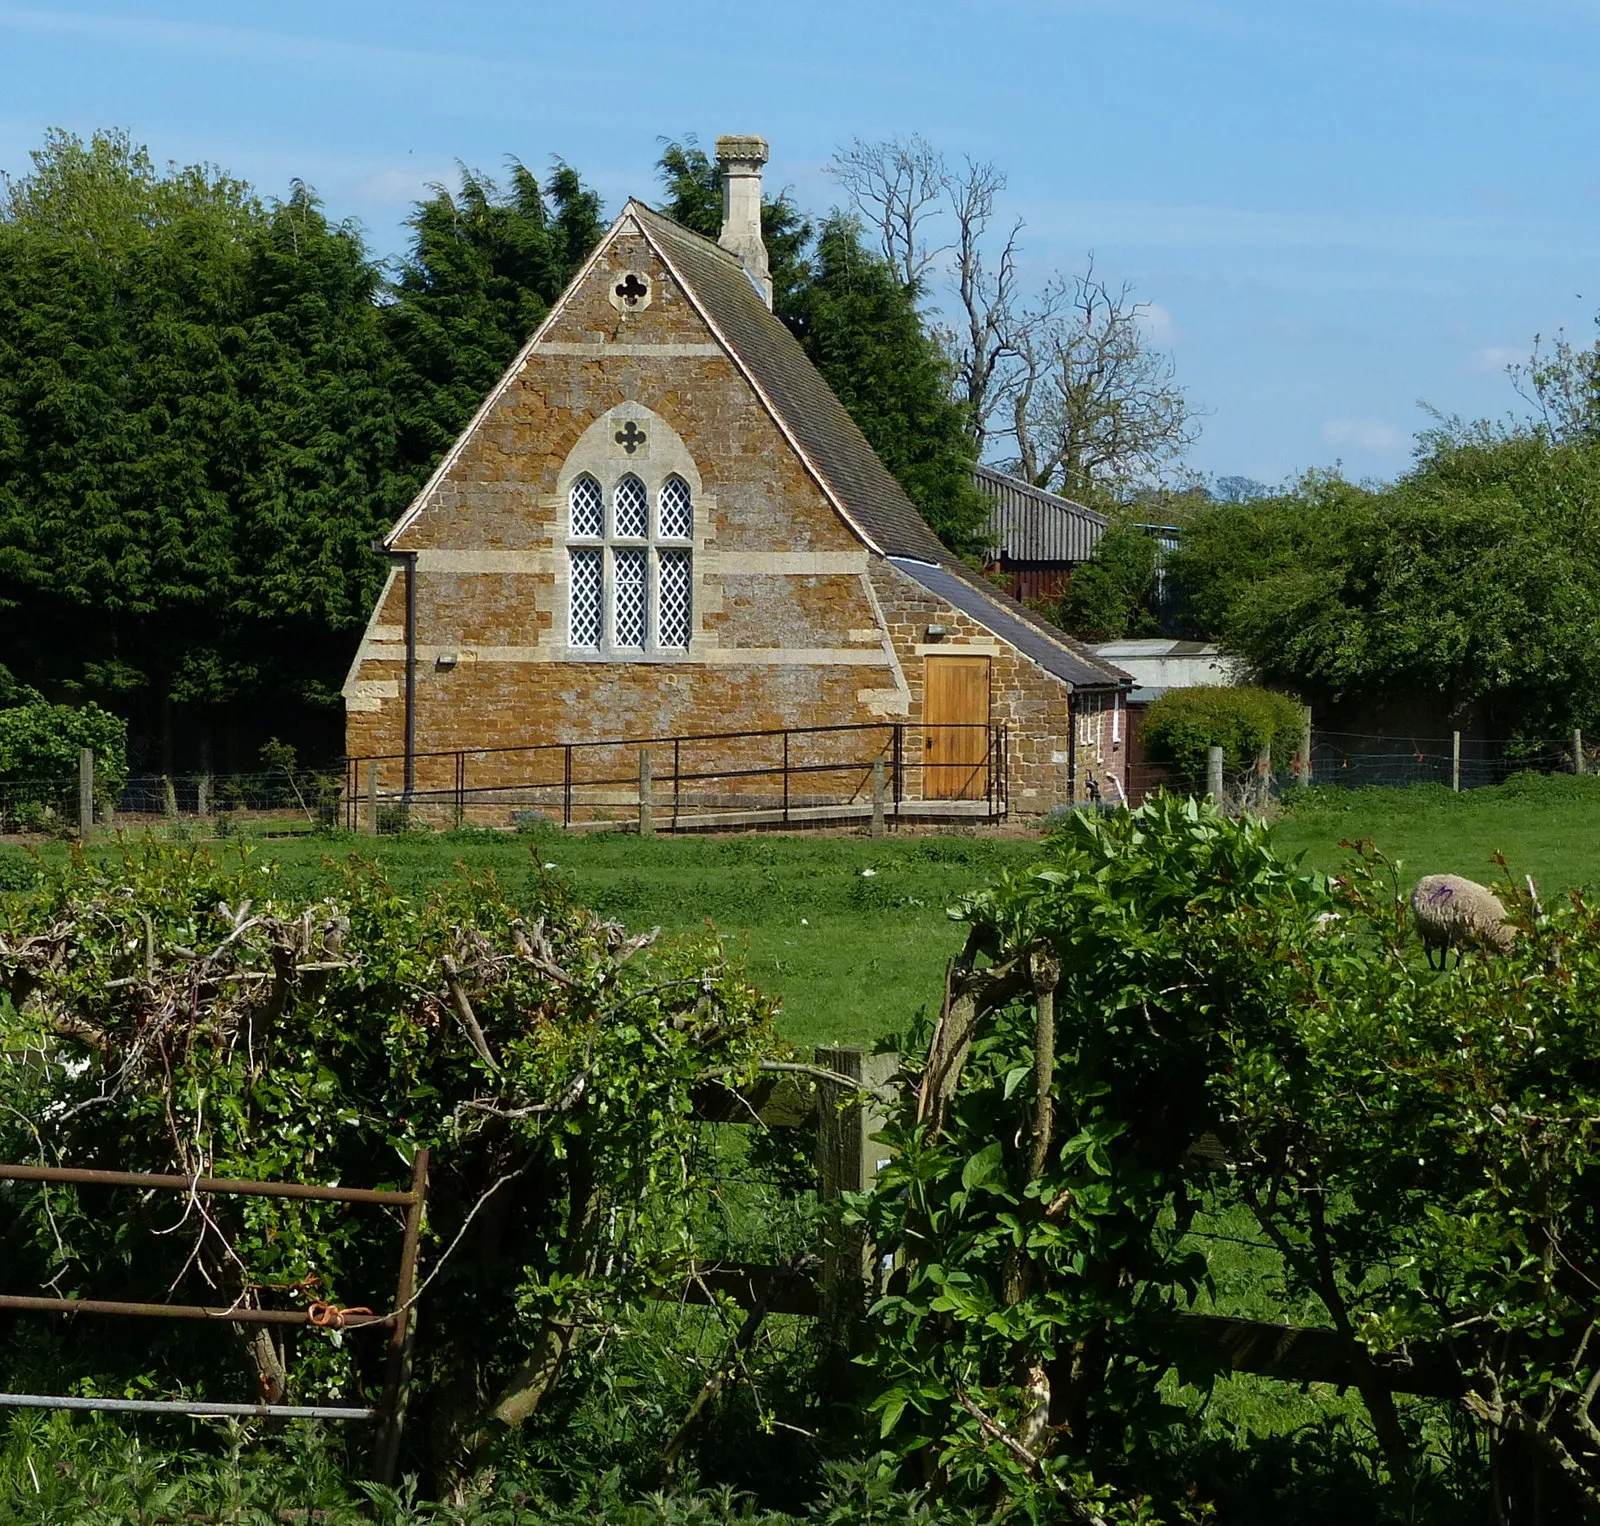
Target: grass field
[
  {"x": 852, "y": 934},
  {"x": 1545, "y": 825}
]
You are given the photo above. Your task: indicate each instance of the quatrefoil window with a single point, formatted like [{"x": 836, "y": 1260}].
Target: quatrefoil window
[{"x": 631, "y": 292}]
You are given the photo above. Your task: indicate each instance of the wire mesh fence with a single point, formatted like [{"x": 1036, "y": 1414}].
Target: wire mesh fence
[
  {"x": 1464, "y": 762},
  {"x": 1358, "y": 760},
  {"x": 51, "y": 805}
]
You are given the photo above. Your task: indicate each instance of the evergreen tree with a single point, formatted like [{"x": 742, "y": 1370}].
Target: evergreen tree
[
  {"x": 859, "y": 323},
  {"x": 193, "y": 442},
  {"x": 484, "y": 268}
]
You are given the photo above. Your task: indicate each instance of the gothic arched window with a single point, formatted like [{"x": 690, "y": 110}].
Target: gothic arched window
[{"x": 631, "y": 570}]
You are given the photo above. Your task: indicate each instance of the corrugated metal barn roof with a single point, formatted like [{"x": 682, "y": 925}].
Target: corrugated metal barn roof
[{"x": 1028, "y": 524}]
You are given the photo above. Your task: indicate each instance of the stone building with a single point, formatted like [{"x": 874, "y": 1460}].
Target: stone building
[{"x": 662, "y": 531}]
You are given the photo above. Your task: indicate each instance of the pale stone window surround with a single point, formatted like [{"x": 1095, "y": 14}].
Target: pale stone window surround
[{"x": 661, "y": 457}]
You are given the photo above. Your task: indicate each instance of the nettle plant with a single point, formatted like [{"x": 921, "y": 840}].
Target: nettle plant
[
  {"x": 172, "y": 1011},
  {"x": 1167, "y": 1016}
]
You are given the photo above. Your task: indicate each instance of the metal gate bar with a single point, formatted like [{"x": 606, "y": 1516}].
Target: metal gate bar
[
  {"x": 400, "y": 1321},
  {"x": 198, "y": 1410}
]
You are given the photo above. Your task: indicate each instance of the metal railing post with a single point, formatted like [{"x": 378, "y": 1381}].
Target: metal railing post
[
  {"x": 786, "y": 778},
  {"x": 899, "y": 766},
  {"x": 461, "y": 790},
  {"x": 566, "y": 788}
]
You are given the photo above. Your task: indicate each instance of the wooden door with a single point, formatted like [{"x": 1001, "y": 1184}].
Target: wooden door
[{"x": 955, "y": 722}]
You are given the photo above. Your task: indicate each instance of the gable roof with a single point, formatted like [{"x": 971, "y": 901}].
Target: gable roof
[
  {"x": 820, "y": 425},
  {"x": 863, "y": 488},
  {"x": 1029, "y": 524},
  {"x": 830, "y": 442}
]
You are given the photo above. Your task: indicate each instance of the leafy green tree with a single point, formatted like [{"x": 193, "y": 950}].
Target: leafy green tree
[
  {"x": 1470, "y": 588},
  {"x": 1115, "y": 594},
  {"x": 484, "y": 267}
]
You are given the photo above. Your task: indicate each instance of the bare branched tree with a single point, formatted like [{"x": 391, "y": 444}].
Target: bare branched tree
[
  {"x": 1071, "y": 377},
  {"x": 1093, "y": 404},
  {"x": 986, "y": 348},
  {"x": 895, "y": 187}
]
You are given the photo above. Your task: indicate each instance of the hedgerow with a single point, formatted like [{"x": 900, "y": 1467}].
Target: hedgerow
[{"x": 168, "y": 1011}]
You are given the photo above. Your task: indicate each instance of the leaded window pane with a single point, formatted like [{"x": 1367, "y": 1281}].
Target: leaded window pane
[
  {"x": 587, "y": 604},
  {"x": 673, "y": 574},
  {"x": 630, "y": 511},
  {"x": 628, "y": 570},
  {"x": 677, "y": 510},
  {"x": 588, "y": 509}
]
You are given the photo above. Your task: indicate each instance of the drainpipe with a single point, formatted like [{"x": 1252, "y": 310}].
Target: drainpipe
[
  {"x": 1072, "y": 746},
  {"x": 408, "y": 560},
  {"x": 411, "y": 674}
]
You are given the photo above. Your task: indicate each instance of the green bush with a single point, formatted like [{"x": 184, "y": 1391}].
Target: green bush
[
  {"x": 41, "y": 741},
  {"x": 1183, "y": 724}
]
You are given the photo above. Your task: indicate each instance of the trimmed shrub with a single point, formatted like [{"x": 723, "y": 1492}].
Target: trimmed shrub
[{"x": 1183, "y": 724}]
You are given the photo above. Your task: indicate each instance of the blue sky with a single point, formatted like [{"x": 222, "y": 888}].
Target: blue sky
[{"x": 1338, "y": 207}]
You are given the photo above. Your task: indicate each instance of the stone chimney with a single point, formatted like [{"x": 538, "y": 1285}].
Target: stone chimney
[{"x": 740, "y": 159}]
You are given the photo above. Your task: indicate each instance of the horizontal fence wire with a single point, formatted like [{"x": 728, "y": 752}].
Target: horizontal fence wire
[
  {"x": 46, "y": 805},
  {"x": 1357, "y": 760}
]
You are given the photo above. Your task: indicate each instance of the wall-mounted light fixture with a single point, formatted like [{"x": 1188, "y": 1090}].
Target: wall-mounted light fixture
[
  {"x": 936, "y": 633},
  {"x": 448, "y": 659}
]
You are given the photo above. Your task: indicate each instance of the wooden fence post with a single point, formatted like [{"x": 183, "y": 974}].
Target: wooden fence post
[
  {"x": 85, "y": 791},
  {"x": 878, "y": 828},
  {"x": 1302, "y": 762},
  {"x": 1455, "y": 760},
  {"x": 372, "y": 798},
  {"x": 1214, "y": 773},
  {"x": 847, "y": 1161},
  {"x": 169, "y": 796},
  {"x": 647, "y": 825},
  {"x": 1263, "y": 790},
  {"x": 1578, "y": 764},
  {"x": 402, "y": 1333}
]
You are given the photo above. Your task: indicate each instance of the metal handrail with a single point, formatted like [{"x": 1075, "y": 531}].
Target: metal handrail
[{"x": 891, "y": 750}]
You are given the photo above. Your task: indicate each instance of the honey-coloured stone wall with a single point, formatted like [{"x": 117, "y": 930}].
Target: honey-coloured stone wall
[{"x": 795, "y": 621}]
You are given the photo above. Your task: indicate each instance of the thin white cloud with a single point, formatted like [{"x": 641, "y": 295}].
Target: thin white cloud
[
  {"x": 1158, "y": 323},
  {"x": 326, "y": 52},
  {"x": 1493, "y": 358},
  {"x": 1372, "y": 435}
]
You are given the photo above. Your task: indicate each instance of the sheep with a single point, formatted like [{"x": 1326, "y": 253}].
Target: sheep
[{"x": 1456, "y": 913}]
